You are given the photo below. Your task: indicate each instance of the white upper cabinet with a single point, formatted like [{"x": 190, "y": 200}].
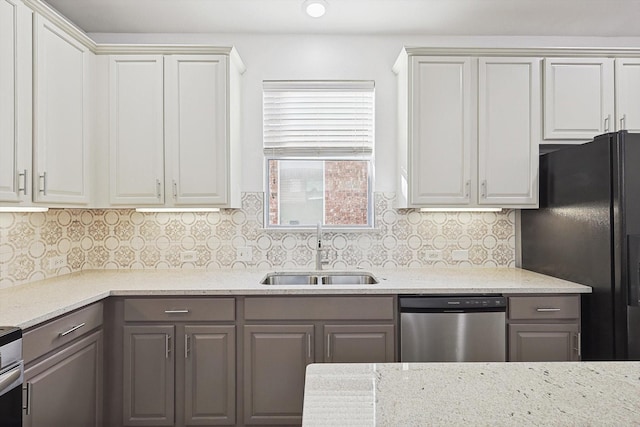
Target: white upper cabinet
[
  {"x": 440, "y": 130},
  {"x": 196, "y": 134},
  {"x": 508, "y": 130},
  {"x": 578, "y": 98},
  {"x": 136, "y": 135},
  {"x": 628, "y": 94},
  {"x": 60, "y": 96},
  {"x": 469, "y": 130},
  {"x": 174, "y": 130},
  {"x": 15, "y": 103}
]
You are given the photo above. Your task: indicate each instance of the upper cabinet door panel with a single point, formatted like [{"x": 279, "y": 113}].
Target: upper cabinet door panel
[
  {"x": 61, "y": 149},
  {"x": 627, "y": 91},
  {"x": 508, "y": 130},
  {"x": 196, "y": 128},
  {"x": 136, "y": 135},
  {"x": 579, "y": 97},
  {"x": 440, "y": 127},
  {"x": 8, "y": 101}
]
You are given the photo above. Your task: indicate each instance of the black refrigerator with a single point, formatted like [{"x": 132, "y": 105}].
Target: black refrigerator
[{"x": 587, "y": 230}]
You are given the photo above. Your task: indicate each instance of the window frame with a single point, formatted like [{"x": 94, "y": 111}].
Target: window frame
[
  {"x": 319, "y": 153},
  {"x": 370, "y": 202}
]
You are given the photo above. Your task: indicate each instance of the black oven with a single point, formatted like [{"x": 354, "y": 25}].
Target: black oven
[{"x": 11, "y": 377}]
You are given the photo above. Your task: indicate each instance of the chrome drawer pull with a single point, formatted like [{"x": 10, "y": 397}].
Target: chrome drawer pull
[
  {"x": 182, "y": 311},
  {"x": 546, "y": 310},
  {"x": 75, "y": 328}
]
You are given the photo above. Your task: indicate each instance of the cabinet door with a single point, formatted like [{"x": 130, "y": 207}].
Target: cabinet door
[
  {"x": 508, "y": 130},
  {"x": 60, "y": 97},
  {"x": 275, "y": 359},
  {"x": 578, "y": 97},
  {"x": 65, "y": 389},
  {"x": 359, "y": 343},
  {"x": 15, "y": 103},
  {"x": 149, "y": 375},
  {"x": 210, "y": 375},
  {"x": 136, "y": 136},
  {"x": 544, "y": 342},
  {"x": 196, "y": 129},
  {"x": 627, "y": 90},
  {"x": 440, "y": 130}
]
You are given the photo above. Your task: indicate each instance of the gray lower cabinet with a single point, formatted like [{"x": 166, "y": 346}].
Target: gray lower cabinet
[
  {"x": 359, "y": 343},
  {"x": 210, "y": 370},
  {"x": 63, "y": 376},
  {"x": 544, "y": 342},
  {"x": 275, "y": 359},
  {"x": 178, "y": 373},
  {"x": 149, "y": 375},
  {"x": 282, "y": 335},
  {"x": 544, "y": 328},
  {"x": 65, "y": 389}
]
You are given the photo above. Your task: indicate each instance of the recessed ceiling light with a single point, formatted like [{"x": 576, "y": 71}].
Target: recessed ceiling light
[{"x": 315, "y": 8}]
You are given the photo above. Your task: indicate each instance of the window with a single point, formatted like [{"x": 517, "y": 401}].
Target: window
[{"x": 318, "y": 145}]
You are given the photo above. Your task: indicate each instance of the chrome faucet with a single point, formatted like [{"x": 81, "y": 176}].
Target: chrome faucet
[{"x": 319, "y": 247}]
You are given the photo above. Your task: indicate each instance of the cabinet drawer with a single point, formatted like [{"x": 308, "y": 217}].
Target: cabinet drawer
[
  {"x": 179, "y": 309},
  {"x": 51, "y": 335},
  {"x": 544, "y": 307},
  {"x": 319, "y": 308}
]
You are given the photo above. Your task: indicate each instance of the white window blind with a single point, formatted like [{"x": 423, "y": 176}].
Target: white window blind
[{"x": 318, "y": 118}]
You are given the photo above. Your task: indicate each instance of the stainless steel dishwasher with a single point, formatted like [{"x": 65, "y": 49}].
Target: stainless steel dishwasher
[{"x": 452, "y": 329}]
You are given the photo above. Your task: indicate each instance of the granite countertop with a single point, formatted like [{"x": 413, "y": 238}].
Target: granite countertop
[
  {"x": 29, "y": 304},
  {"x": 454, "y": 394}
]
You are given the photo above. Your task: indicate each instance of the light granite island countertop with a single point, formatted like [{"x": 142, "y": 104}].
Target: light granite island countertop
[
  {"x": 32, "y": 303},
  {"x": 478, "y": 394}
]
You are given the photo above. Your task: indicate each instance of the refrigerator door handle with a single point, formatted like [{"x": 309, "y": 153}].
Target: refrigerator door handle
[{"x": 633, "y": 262}]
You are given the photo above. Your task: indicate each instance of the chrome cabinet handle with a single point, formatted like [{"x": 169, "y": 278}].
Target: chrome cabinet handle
[
  {"x": 167, "y": 343},
  {"x": 158, "y": 188},
  {"x": 179, "y": 311},
  {"x": 623, "y": 121},
  {"x": 546, "y": 310},
  {"x": 467, "y": 185},
  {"x": 27, "y": 398},
  {"x": 578, "y": 347},
  {"x": 309, "y": 346},
  {"x": 187, "y": 342},
  {"x": 24, "y": 187},
  {"x": 483, "y": 187},
  {"x": 328, "y": 347},
  {"x": 175, "y": 190},
  {"x": 43, "y": 189},
  {"x": 73, "y": 329},
  {"x": 606, "y": 123}
]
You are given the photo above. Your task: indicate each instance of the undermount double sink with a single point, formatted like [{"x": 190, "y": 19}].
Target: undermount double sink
[{"x": 319, "y": 278}]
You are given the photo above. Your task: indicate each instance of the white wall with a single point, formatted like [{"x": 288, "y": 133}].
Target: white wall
[{"x": 315, "y": 57}]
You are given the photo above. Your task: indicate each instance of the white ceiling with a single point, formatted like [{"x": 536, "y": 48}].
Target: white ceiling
[{"x": 598, "y": 18}]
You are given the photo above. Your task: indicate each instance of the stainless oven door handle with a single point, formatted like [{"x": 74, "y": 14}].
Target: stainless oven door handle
[{"x": 8, "y": 380}]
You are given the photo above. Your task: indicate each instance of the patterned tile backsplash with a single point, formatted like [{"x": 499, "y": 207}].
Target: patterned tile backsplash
[{"x": 40, "y": 245}]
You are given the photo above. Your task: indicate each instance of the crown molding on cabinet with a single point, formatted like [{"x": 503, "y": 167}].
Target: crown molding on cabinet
[
  {"x": 627, "y": 52},
  {"x": 62, "y": 22},
  {"x": 170, "y": 49},
  {"x": 134, "y": 49}
]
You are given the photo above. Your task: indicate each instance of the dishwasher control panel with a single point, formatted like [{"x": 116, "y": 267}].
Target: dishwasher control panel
[{"x": 444, "y": 302}]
